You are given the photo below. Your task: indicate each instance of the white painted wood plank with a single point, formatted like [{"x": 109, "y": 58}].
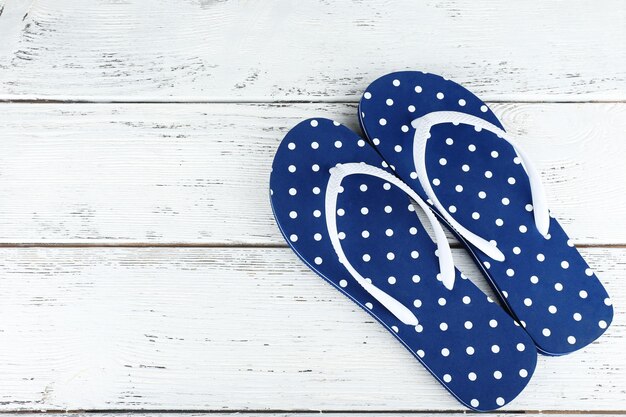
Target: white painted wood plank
[
  {"x": 198, "y": 173},
  {"x": 236, "y": 329},
  {"x": 204, "y": 50}
]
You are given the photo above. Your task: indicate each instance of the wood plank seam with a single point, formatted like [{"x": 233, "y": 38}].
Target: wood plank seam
[{"x": 268, "y": 100}]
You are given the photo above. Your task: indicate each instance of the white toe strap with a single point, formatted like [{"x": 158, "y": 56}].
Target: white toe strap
[
  {"x": 423, "y": 126},
  {"x": 446, "y": 263}
]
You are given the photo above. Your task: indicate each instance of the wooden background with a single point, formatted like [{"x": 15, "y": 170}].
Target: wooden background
[{"x": 140, "y": 267}]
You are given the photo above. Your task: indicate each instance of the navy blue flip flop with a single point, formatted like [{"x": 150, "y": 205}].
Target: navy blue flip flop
[
  {"x": 448, "y": 146},
  {"x": 346, "y": 215}
]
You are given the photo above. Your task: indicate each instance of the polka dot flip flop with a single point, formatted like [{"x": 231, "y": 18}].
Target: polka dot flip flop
[
  {"x": 351, "y": 221},
  {"x": 447, "y": 145}
]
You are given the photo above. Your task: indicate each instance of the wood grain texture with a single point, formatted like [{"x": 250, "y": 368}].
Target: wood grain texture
[
  {"x": 238, "y": 329},
  {"x": 172, "y": 50},
  {"x": 231, "y": 330},
  {"x": 198, "y": 173}
]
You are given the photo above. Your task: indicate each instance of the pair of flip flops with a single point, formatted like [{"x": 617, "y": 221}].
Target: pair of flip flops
[{"x": 348, "y": 207}]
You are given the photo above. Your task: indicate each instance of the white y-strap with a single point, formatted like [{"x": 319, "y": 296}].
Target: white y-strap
[
  {"x": 423, "y": 125},
  {"x": 446, "y": 263}
]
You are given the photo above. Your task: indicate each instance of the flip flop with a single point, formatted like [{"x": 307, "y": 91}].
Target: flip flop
[
  {"x": 447, "y": 145},
  {"x": 351, "y": 221}
]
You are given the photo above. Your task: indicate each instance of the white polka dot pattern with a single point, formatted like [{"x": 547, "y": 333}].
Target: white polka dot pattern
[
  {"x": 543, "y": 279},
  {"x": 467, "y": 342}
]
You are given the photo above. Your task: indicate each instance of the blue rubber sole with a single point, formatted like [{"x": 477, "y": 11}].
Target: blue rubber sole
[
  {"x": 466, "y": 341},
  {"x": 544, "y": 282}
]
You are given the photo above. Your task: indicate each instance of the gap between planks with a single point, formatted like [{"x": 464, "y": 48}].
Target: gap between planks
[
  {"x": 303, "y": 413},
  {"x": 213, "y": 245},
  {"x": 268, "y": 100}
]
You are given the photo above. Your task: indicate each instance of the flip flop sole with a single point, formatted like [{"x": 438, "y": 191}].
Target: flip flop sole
[
  {"x": 480, "y": 181},
  {"x": 467, "y": 342}
]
